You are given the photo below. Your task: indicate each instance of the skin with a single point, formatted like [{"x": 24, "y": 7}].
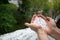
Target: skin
[
  {"x": 50, "y": 29},
  {"x": 42, "y": 35}
]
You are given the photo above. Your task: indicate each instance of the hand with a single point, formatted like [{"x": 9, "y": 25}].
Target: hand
[
  {"x": 52, "y": 29},
  {"x": 32, "y": 25},
  {"x": 51, "y": 25},
  {"x": 42, "y": 35}
]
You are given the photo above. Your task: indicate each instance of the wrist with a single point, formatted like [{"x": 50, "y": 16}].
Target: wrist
[
  {"x": 56, "y": 34},
  {"x": 42, "y": 35},
  {"x": 40, "y": 31}
]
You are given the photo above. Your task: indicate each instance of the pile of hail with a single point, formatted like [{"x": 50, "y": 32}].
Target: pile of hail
[{"x": 40, "y": 22}]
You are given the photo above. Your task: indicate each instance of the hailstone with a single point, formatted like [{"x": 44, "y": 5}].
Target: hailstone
[{"x": 40, "y": 21}]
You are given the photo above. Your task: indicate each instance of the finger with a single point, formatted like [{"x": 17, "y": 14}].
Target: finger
[
  {"x": 27, "y": 24},
  {"x": 50, "y": 19},
  {"x": 31, "y": 25},
  {"x": 33, "y": 18},
  {"x": 40, "y": 15}
]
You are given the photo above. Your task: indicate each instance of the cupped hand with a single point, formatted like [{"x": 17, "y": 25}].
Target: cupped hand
[
  {"x": 51, "y": 28},
  {"x": 51, "y": 25},
  {"x": 33, "y": 26}
]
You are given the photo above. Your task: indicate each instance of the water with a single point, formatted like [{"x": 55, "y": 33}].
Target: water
[{"x": 23, "y": 34}]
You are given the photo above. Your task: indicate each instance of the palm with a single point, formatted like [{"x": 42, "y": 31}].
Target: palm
[{"x": 32, "y": 25}]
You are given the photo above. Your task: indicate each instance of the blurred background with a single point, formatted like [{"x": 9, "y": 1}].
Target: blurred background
[{"x": 14, "y": 13}]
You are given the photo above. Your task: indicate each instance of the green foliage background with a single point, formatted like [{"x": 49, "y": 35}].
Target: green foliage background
[
  {"x": 7, "y": 20},
  {"x": 49, "y": 8},
  {"x": 13, "y": 17},
  {"x": 4, "y": 1}
]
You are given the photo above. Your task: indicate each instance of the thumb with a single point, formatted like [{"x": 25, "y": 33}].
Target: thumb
[
  {"x": 32, "y": 25},
  {"x": 27, "y": 24}
]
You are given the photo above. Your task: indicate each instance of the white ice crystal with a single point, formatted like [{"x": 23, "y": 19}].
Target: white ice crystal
[{"x": 40, "y": 21}]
